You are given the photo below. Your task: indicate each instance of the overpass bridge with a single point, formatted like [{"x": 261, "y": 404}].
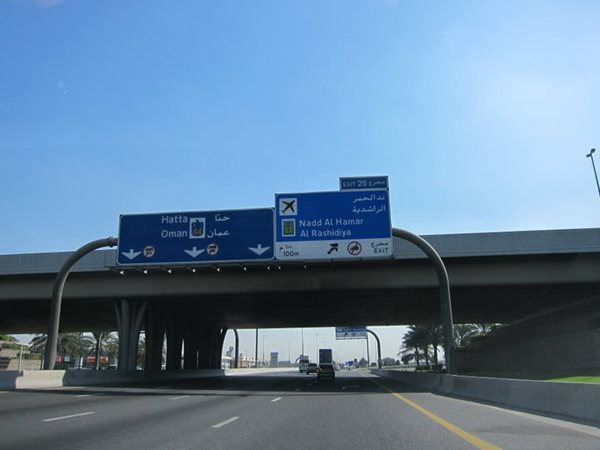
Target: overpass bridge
[{"x": 494, "y": 277}]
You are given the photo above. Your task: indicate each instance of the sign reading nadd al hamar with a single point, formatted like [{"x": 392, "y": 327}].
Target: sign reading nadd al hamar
[
  {"x": 196, "y": 237},
  {"x": 333, "y": 225}
]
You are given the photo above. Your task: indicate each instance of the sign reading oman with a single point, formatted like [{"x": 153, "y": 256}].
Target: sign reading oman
[
  {"x": 333, "y": 225},
  {"x": 196, "y": 237}
]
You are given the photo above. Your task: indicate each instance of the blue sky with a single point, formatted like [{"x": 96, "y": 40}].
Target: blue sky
[{"x": 480, "y": 112}]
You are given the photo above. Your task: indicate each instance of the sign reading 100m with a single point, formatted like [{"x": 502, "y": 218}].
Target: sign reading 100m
[{"x": 333, "y": 225}]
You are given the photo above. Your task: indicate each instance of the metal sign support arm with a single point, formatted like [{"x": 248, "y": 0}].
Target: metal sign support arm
[
  {"x": 57, "y": 292},
  {"x": 378, "y": 348},
  {"x": 445, "y": 301}
]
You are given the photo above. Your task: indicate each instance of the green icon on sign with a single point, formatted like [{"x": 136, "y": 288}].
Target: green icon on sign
[{"x": 289, "y": 227}]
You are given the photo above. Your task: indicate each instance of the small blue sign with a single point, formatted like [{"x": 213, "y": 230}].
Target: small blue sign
[
  {"x": 363, "y": 183},
  {"x": 196, "y": 237},
  {"x": 356, "y": 332},
  {"x": 333, "y": 225}
]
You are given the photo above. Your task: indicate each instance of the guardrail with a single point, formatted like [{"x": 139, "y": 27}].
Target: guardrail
[{"x": 575, "y": 400}]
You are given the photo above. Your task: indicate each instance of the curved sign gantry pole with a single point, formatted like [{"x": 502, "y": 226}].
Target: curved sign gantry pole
[
  {"x": 57, "y": 292},
  {"x": 445, "y": 301}
]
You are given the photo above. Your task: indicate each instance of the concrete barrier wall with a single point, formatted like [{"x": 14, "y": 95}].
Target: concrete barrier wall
[
  {"x": 260, "y": 370},
  {"x": 34, "y": 379},
  {"x": 31, "y": 379},
  {"x": 576, "y": 400}
]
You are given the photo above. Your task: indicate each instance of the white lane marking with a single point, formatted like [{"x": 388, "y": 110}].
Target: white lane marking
[
  {"x": 180, "y": 397},
  {"x": 68, "y": 417},
  {"x": 275, "y": 399},
  {"x": 63, "y": 388},
  {"x": 298, "y": 390},
  {"x": 90, "y": 395},
  {"x": 84, "y": 395},
  {"x": 225, "y": 422}
]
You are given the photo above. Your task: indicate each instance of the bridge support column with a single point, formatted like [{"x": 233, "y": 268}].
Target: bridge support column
[
  {"x": 191, "y": 339},
  {"x": 129, "y": 319},
  {"x": 217, "y": 347},
  {"x": 174, "y": 340},
  {"x": 204, "y": 347},
  {"x": 155, "y": 335}
]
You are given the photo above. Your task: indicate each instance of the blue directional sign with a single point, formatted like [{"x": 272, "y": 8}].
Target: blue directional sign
[
  {"x": 333, "y": 225},
  {"x": 357, "y": 332},
  {"x": 196, "y": 237}
]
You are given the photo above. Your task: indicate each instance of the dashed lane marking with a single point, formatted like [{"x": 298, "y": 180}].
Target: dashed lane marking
[
  {"x": 180, "y": 397},
  {"x": 68, "y": 417},
  {"x": 225, "y": 422},
  {"x": 275, "y": 399}
]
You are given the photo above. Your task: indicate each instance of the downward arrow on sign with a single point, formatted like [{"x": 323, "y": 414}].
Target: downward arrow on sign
[
  {"x": 130, "y": 254},
  {"x": 259, "y": 249},
  {"x": 193, "y": 252}
]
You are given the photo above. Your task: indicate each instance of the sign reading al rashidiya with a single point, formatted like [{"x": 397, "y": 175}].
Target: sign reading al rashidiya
[{"x": 350, "y": 224}]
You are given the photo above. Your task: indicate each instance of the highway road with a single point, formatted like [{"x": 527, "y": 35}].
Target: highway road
[{"x": 273, "y": 411}]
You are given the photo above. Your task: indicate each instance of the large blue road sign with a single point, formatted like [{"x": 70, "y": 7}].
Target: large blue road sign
[
  {"x": 357, "y": 332},
  {"x": 196, "y": 237},
  {"x": 333, "y": 225}
]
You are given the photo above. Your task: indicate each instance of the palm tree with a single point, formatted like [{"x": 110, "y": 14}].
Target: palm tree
[
  {"x": 420, "y": 340},
  {"x": 417, "y": 338},
  {"x": 68, "y": 344},
  {"x": 435, "y": 336},
  {"x": 106, "y": 344},
  {"x": 486, "y": 328},
  {"x": 409, "y": 350},
  {"x": 463, "y": 333}
]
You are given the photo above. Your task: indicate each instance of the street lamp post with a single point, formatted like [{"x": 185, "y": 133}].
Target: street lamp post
[
  {"x": 316, "y": 346},
  {"x": 591, "y": 156}
]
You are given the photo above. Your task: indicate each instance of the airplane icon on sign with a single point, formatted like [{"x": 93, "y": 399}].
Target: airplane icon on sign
[{"x": 287, "y": 206}]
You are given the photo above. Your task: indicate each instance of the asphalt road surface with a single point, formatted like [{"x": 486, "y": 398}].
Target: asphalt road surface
[{"x": 273, "y": 411}]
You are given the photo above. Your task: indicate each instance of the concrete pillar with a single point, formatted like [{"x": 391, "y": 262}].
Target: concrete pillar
[
  {"x": 155, "y": 334},
  {"x": 204, "y": 347},
  {"x": 218, "y": 347},
  {"x": 129, "y": 320},
  {"x": 174, "y": 340},
  {"x": 191, "y": 338}
]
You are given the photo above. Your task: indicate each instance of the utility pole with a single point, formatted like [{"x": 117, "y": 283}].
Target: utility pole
[
  {"x": 591, "y": 156},
  {"x": 256, "y": 351}
]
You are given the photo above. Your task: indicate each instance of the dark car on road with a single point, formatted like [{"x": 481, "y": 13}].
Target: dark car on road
[
  {"x": 326, "y": 372},
  {"x": 312, "y": 368}
]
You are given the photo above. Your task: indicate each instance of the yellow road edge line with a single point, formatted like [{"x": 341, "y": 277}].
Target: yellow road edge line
[{"x": 471, "y": 439}]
